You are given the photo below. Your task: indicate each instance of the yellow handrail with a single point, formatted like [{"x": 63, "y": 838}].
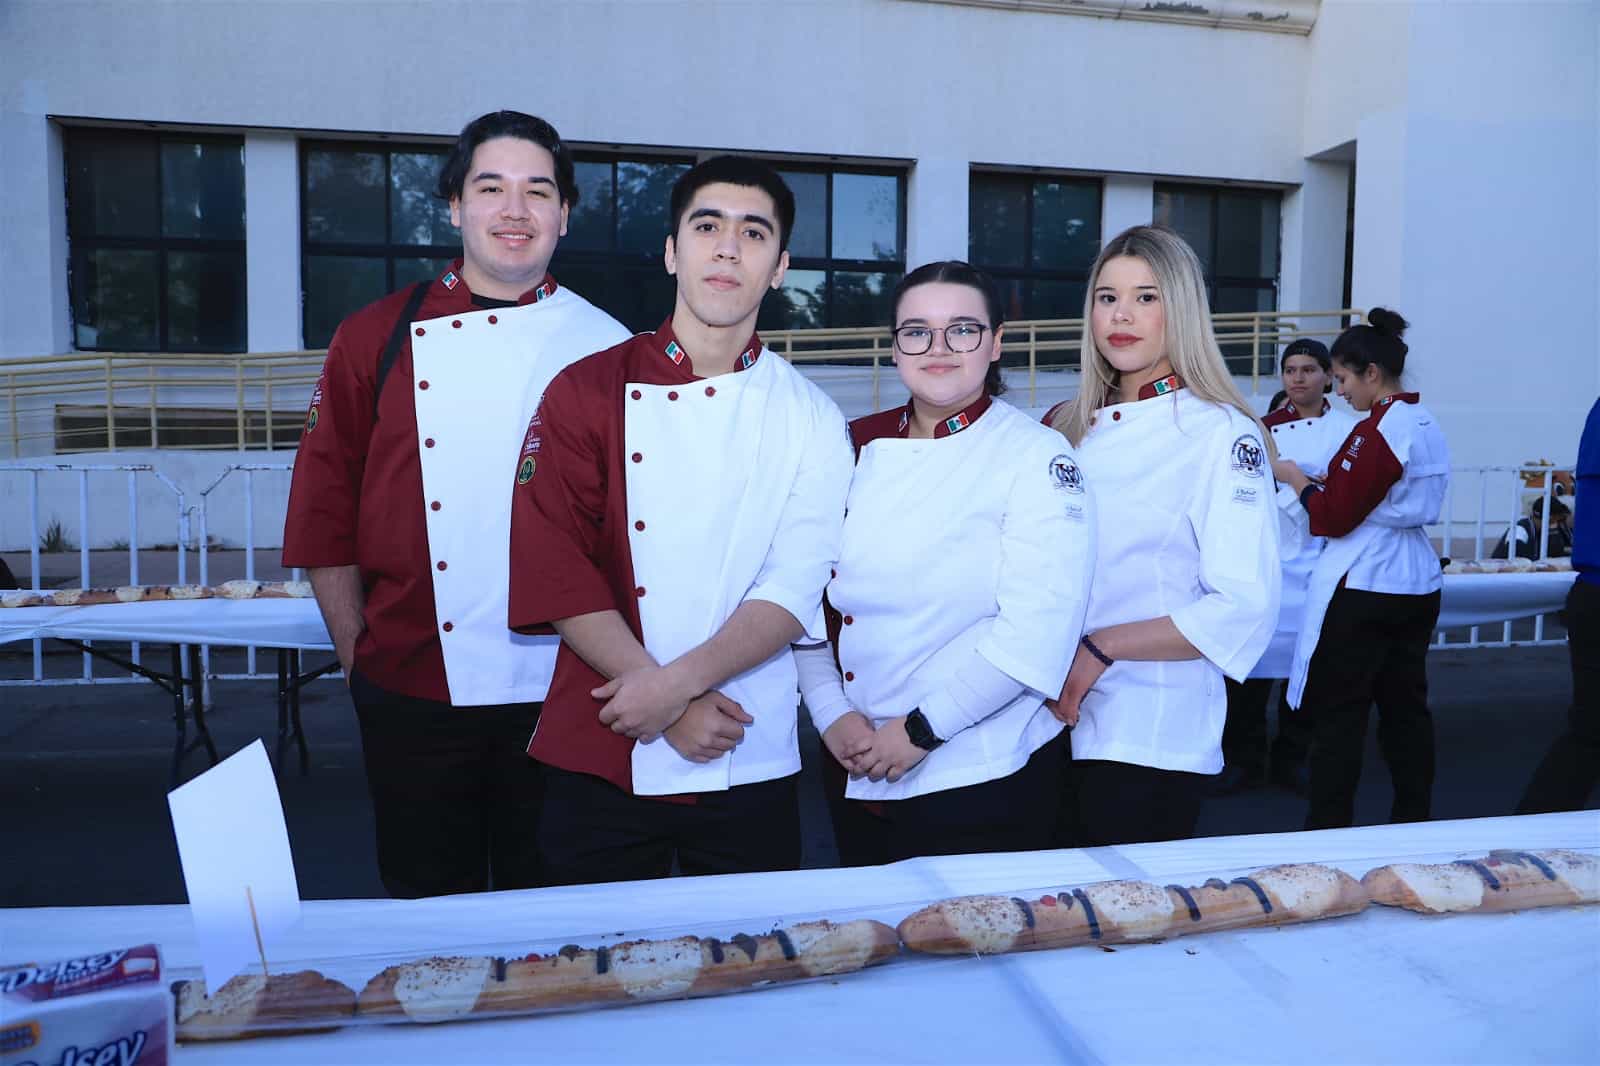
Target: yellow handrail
[{"x": 252, "y": 395}]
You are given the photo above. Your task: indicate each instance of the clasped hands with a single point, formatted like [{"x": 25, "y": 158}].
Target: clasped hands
[
  {"x": 656, "y": 701},
  {"x": 876, "y": 754}
]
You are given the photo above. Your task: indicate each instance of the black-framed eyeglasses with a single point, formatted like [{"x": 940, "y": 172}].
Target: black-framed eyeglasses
[{"x": 958, "y": 337}]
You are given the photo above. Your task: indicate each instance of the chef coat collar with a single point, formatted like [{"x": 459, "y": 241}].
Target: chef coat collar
[
  {"x": 1284, "y": 415},
  {"x": 957, "y": 422},
  {"x": 665, "y": 341},
  {"x": 1403, "y": 397},
  {"x": 456, "y": 291},
  {"x": 1150, "y": 390}
]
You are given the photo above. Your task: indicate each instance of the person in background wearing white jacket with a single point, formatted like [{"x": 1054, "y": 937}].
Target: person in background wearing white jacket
[
  {"x": 1309, "y": 430},
  {"x": 1187, "y": 579},
  {"x": 1373, "y": 597},
  {"x": 962, "y": 581}
]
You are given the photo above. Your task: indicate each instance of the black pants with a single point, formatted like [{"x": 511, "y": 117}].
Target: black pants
[
  {"x": 1244, "y": 738},
  {"x": 1012, "y": 813},
  {"x": 1108, "y": 802},
  {"x": 455, "y": 795},
  {"x": 1570, "y": 768},
  {"x": 591, "y": 831},
  {"x": 1373, "y": 649}
]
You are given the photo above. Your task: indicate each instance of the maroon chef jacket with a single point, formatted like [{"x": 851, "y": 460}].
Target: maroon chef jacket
[
  {"x": 356, "y": 497},
  {"x": 1361, "y": 479},
  {"x": 569, "y": 532}
]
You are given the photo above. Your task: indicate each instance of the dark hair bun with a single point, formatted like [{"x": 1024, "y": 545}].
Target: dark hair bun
[{"x": 1387, "y": 322}]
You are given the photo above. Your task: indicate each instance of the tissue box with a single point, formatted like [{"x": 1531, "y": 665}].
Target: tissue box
[{"x": 106, "y": 1009}]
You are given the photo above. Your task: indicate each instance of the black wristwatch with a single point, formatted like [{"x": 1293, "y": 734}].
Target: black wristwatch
[{"x": 920, "y": 732}]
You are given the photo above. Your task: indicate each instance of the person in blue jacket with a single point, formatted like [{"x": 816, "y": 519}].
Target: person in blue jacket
[{"x": 1570, "y": 768}]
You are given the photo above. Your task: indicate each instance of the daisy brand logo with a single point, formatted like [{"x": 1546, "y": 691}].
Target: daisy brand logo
[
  {"x": 1247, "y": 456},
  {"x": 1066, "y": 475}
]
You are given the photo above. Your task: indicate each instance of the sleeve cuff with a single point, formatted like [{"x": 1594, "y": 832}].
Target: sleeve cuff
[{"x": 807, "y": 610}]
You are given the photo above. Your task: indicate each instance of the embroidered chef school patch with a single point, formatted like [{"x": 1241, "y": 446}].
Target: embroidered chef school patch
[
  {"x": 525, "y": 471},
  {"x": 316, "y": 401},
  {"x": 1247, "y": 457},
  {"x": 1066, "y": 475}
]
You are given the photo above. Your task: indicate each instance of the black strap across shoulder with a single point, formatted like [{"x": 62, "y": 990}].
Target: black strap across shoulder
[{"x": 397, "y": 337}]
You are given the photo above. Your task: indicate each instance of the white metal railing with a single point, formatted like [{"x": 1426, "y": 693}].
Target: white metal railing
[
  {"x": 1495, "y": 498},
  {"x": 249, "y": 470},
  {"x": 1490, "y": 487},
  {"x": 35, "y": 573}
]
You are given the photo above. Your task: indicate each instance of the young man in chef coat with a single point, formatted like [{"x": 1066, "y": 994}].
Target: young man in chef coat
[
  {"x": 400, "y": 510},
  {"x": 677, "y": 514}
]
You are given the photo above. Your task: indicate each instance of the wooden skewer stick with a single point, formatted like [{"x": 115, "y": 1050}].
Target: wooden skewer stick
[{"x": 254, "y": 924}]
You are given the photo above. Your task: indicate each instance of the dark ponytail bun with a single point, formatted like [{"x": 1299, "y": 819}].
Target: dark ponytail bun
[
  {"x": 1377, "y": 342},
  {"x": 1387, "y": 322}
]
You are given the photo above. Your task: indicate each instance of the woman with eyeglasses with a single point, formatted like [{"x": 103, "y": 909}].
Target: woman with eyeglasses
[
  {"x": 1186, "y": 590},
  {"x": 962, "y": 581}
]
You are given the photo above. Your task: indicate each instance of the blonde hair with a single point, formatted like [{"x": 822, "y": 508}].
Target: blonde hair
[{"x": 1191, "y": 345}]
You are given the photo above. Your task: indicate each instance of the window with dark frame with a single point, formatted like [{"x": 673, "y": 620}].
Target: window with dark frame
[
  {"x": 1037, "y": 235},
  {"x": 1236, "y": 233},
  {"x": 845, "y": 255},
  {"x": 370, "y": 224},
  {"x": 155, "y": 227},
  {"x": 611, "y": 255},
  {"x": 848, "y": 250}
]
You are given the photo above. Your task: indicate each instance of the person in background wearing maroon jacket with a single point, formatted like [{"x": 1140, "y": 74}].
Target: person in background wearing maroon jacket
[
  {"x": 400, "y": 509},
  {"x": 1373, "y": 597},
  {"x": 677, "y": 527}
]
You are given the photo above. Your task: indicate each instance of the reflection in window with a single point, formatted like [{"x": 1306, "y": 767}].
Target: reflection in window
[
  {"x": 156, "y": 228},
  {"x": 612, "y": 252},
  {"x": 1038, "y": 236},
  {"x": 372, "y": 225},
  {"x": 847, "y": 250}
]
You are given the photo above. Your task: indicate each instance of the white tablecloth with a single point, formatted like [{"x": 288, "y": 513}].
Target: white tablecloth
[
  {"x": 1476, "y": 599},
  {"x": 263, "y": 623},
  {"x": 1469, "y": 599},
  {"x": 1382, "y": 986}
]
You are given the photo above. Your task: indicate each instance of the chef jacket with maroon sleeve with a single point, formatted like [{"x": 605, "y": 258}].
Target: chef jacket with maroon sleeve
[
  {"x": 1386, "y": 484},
  {"x": 978, "y": 541},
  {"x": 673, "y": 499},
  {"x": 1187, "y": 530},
  {"x": 414, "y": 493},
  {"x": 1310, "y": 443}
]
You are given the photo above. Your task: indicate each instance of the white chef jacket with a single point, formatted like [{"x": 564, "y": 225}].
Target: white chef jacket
[
  {"x": 1400, "y": 444},
  {"x": 756, "y": 516},
  {"x": 480, "y": 376},
  {"x": 1310, "y": 443},
  {"x": 1187, "y": 529},
  {"x": 982, "y": 541}
]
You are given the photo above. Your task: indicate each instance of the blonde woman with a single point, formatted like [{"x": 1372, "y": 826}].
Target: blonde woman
[{"x": 1187, "y": 580}]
